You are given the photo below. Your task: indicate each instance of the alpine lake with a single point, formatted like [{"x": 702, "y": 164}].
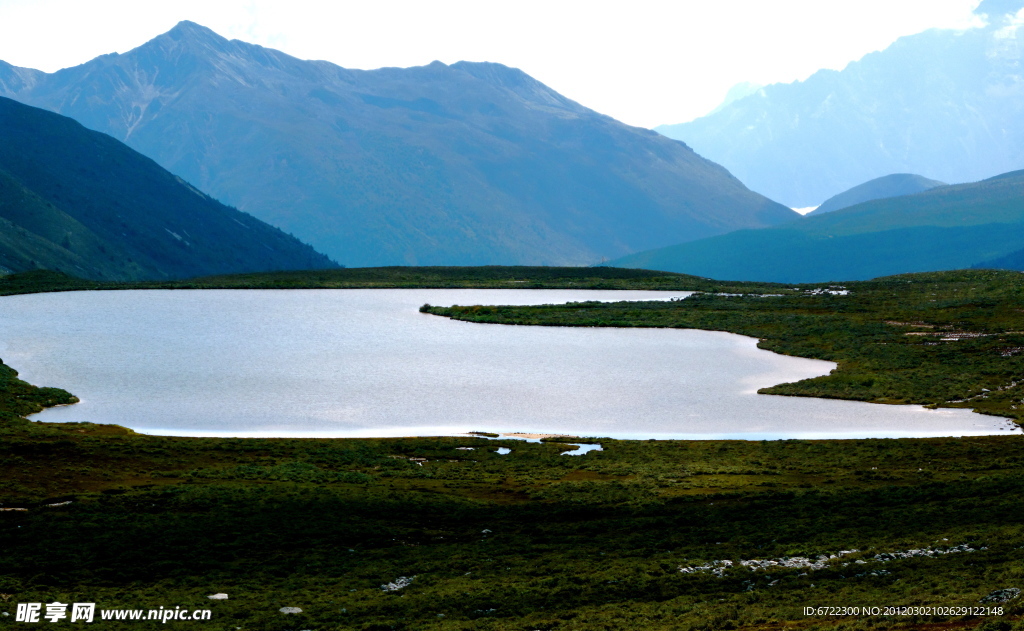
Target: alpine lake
[{"x": 367, "y": 363}]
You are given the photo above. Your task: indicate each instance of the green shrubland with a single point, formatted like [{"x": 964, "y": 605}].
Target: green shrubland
[{"x": 537, "y": 539}]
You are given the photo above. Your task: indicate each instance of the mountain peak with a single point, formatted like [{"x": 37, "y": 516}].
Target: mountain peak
[
  {"x": 894, "y": 185},
  {"x": 187, "y": 31},
  {"x": 188, "y": 28}
]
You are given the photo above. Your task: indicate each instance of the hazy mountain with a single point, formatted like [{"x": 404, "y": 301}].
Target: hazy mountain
[
  {"x": 471, "y": 163},
  {"x": 949, "y": 227},
  {"x": 879, "y": 188},
  {"x": 943, "y": 102},
  {"x": 737, "y": 92},
  {"x": 1013, "y": 260},
  {"x": 80, "y": 202}
]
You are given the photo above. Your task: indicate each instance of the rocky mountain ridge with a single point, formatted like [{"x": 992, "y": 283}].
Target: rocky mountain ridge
[
  {"x": 472, "y": 163},
  {"x": 943, "y": 102}
]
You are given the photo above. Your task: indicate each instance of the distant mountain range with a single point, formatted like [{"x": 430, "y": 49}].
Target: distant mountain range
[
  {"x": 473, "y": 163},
  {"x": 948, "y": 227},
  {"x": 943, "y": 102},
  {"x": 893, "y": 185},
  {"x": 80, "y": 202},
  {"x": 1013, "y": 260}
]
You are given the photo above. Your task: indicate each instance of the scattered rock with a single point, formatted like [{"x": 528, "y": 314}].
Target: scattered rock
[
  {"x": 399, "y": 583},
  {"x": 717, "y": 568},
  {"x": 924, "y": 552},
  {"x": 1002, "y": 595},
  {"x": 822, "y": 561}
]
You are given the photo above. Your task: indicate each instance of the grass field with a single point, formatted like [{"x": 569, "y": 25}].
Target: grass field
[{"x": 641, "y": 535}]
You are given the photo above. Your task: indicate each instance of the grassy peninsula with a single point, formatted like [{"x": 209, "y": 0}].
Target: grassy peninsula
[
  {"x": 647, "y": 535},
  {"x": 948, "y": 339}
]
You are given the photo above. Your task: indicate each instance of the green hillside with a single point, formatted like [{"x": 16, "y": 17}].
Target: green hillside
[
  {"x": 893, "y": 185},
  {"x": 36, "y": 233},
  {"x": 80, "y": 202},
  {"x": 949, "y": 227}
]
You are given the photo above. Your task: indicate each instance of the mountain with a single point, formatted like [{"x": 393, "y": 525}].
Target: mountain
[
  {"x": 737, "y": 92},
  {"x": 943, "y": 102},
  {"x": 879, "y": 188},
  {"x": 80, "y": 202},
  {"x": 949, "y": 227},
  {"x": 1013, "y": 260},
  {"x": 472, "y": 163}
]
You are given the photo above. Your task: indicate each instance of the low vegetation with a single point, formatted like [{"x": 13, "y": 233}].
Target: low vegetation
[
  {"x": 487, "y": 277},
  {"x": 447, "y": 533}
]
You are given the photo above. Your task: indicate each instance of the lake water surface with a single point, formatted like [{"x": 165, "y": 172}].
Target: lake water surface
[{"x": 365, "y": 362}]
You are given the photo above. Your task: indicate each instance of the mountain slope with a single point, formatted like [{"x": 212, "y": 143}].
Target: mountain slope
[
  {"x": 1013, "y": 260},
  {"x": 80, "y": 202},
  {"x": 893, "y": 185},
  {"x": 947, "y": 103},
  {"x": 948, "y": 227},
  {"x": 471, "y": 163}
]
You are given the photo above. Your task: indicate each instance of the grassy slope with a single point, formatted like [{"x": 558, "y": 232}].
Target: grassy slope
[
  {"x": 893, "y": 185},
  {"x": 87, "y": 204},
  {"x": 38, "y": 234},
  {"x": 529, "y": 540}
]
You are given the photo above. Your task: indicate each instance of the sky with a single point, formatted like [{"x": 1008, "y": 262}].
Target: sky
[{"x": 645, "y": 63}]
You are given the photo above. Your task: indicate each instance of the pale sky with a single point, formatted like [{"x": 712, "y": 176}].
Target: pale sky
[{"x": 643, "y": 62}]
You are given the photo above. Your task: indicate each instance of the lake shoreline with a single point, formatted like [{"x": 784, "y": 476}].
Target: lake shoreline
[
  {"x": 551, "y": 278},
  {"x": 349, "y": 364}
]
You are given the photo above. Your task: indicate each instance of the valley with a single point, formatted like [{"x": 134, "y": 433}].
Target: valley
[
  {"x": 535, "y": 538},
  {"x": 379, "y": 334}
]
